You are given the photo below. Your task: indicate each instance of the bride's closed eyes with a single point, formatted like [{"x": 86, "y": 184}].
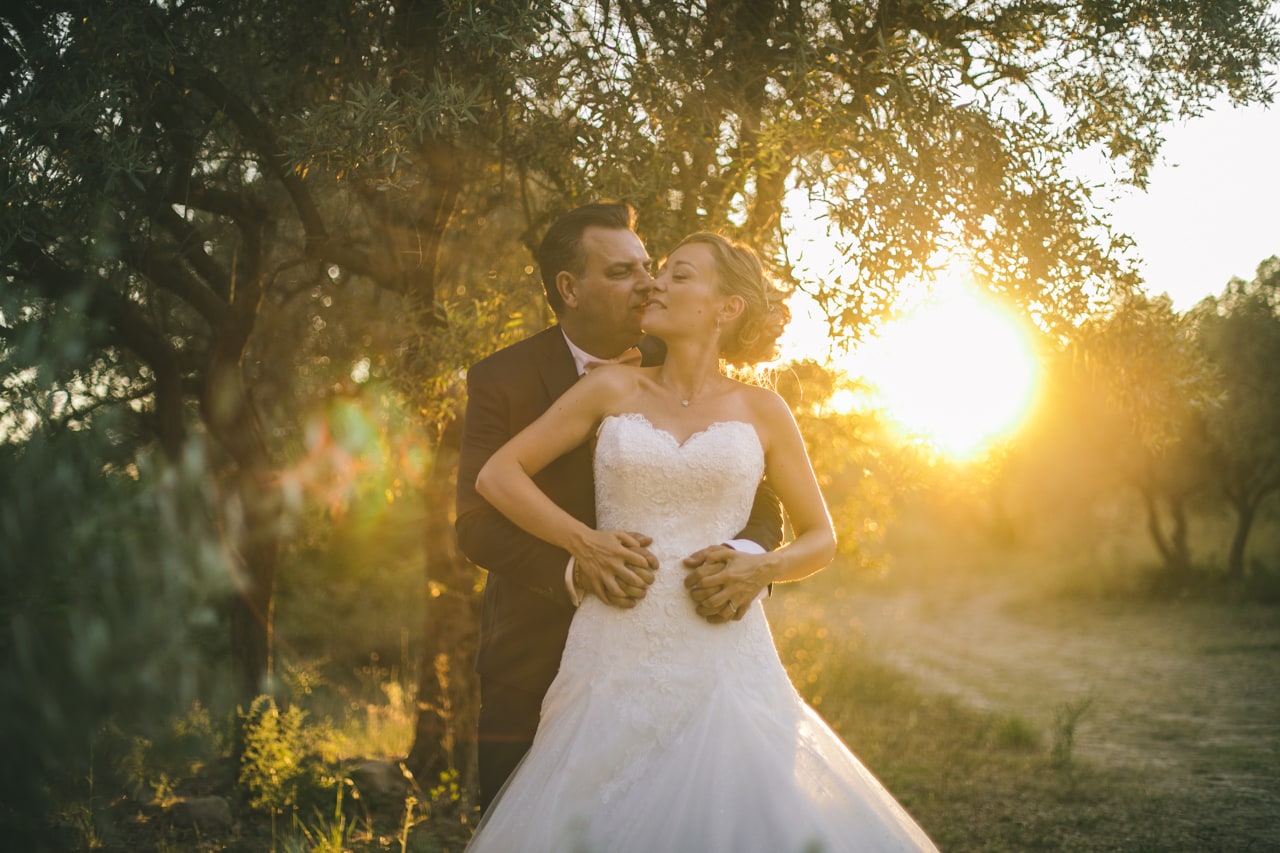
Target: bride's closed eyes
[{"x": 679, "y": 271}]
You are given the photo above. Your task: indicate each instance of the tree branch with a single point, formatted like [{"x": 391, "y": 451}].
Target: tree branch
[
  {"x": 135, "y": 333},
  {"x": 54, "y": 281},
  {"x": 235, "y": 206},
  {"x": 77, "y": 415},
  {"x": 163, "y": 269},
  {"x": 271, "y": 158},
  {"x": 261, "y": 140},
  {"x": 191, "y": 242}
]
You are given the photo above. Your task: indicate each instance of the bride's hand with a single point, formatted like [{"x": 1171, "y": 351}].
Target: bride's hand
[
  {"x": 614, "y": 565},
  {"x": 724, "y": 582}
]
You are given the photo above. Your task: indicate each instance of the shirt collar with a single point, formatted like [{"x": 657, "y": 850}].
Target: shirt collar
[{"x": 581, "y": 358}]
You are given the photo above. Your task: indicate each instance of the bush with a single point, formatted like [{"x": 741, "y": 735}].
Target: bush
[
  {"x": 112, "y": 576},
  {"x": 278, "y": 768}
]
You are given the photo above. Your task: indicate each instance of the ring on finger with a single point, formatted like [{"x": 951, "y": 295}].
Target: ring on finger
[{"x": 733, "y": 608}]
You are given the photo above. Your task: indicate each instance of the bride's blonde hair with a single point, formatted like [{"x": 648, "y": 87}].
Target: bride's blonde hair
[{"x": 753, "y": 337}]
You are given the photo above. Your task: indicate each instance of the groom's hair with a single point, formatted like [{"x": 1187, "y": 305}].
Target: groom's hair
[{"x": 561, "y": 248}]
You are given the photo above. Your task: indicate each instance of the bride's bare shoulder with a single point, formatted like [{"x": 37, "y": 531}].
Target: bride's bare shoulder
[
  {"x": 763, "y": 400},
  {"x": 611, "y": 388},
  {"x": 767, "y": 411},
  {"x": 615, "y": 377}
]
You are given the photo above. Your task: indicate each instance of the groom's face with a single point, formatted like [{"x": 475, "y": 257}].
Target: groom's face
[{"x": 605, "y": 300}]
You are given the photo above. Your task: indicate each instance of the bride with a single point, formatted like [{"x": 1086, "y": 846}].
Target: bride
[{"x": 663, "y": 731}]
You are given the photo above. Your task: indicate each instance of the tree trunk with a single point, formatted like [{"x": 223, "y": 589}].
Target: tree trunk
[
  {"x": 1245, "y": 513},
  {"x": 1181, "y": 565},
  {"x": 252, "y": 509},
  {"x": 252, "y": 501},
  {"x": 253, "y": 608},
  {"x": 448, "y": 689},
  {"x": 1172, "y": 546}
]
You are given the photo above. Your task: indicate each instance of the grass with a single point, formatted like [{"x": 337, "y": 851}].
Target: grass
[
  {"x": 1012, "y": 777},
  {"x": 998, "y": 781},
  {"x": 984, "y": 782},
  {"x": 975, "y": 781}
]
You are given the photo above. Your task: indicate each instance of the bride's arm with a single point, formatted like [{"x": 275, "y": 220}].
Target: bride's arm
[
  {"x": 614, "y": 564},
  {"x": 730, "y": 579},
  {"x": 789, "y": 471}
]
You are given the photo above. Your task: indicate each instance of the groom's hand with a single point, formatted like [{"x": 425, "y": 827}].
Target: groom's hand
[
  {"x": 615, "y": 566},
  {"x": 723, "y": 582}
]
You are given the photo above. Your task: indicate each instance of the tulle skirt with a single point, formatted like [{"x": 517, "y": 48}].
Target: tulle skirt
[{"x": 716, "y": 756}]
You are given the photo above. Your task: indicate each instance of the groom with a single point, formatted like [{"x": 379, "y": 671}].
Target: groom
[{"x": 595, "y": 271}]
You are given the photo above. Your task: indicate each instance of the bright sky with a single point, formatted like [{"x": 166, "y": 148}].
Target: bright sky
[{"x": 1212, "y": 209}]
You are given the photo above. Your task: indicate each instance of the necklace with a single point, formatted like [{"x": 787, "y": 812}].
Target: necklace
[{"x": 684, "y": 401}]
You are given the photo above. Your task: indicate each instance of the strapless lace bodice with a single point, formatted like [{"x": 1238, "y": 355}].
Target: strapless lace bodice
[{"x": 685, "y": 495}]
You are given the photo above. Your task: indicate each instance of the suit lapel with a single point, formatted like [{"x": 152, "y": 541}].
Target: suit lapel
[{"x": 555, "y": 364}]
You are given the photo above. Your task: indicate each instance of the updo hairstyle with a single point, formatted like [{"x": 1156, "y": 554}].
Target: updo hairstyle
[{"x": 753, "y": 336}]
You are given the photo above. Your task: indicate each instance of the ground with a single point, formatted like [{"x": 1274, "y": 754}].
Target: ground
[{"x": 1184, "y": 692}]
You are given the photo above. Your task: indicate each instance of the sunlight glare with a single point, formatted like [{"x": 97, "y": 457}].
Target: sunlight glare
[
  {"x": 807, "y": 336},
  {"x": 957, "y": 372}
]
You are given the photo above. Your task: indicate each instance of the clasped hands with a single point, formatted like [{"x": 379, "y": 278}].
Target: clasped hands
[{"x": 617, "y": 567}]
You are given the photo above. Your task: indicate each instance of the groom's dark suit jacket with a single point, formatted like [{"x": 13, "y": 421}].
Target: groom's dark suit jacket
[{"x": 526, "y": 612}]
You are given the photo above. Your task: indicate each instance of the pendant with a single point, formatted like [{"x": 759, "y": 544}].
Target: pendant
[{"x": 684, "y": 403}]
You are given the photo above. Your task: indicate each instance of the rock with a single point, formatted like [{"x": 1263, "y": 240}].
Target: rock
[
  {"x": 210, "y": 815},
  {"x": 379, "y": 780}
]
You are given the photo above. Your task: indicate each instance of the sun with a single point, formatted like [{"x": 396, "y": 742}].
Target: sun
[{"x": 959, "y": 371}]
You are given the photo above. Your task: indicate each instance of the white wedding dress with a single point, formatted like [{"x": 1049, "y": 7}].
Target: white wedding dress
[{"x": 663, "y": 732}]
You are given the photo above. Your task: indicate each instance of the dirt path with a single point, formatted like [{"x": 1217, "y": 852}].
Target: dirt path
[{"x": 1189, "y": 690}]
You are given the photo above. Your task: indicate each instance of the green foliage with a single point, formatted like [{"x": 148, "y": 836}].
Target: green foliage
[
  {"x": 911, "y": 129},
  {"x": 279, "y": 766},
  {"x": 864, "y": 472},
  {"x": 1141, "y": 360},
  {"x": 157, "y": 765},
  {"x": 1016, "y": 733},
  {"x": 372, "y": 717},
  {"x": 1124, "y": 412},
  {"x": 236, "y": 208},
  {"x": 1178, "y": 409},
  {"x": 447, "y": 794},
  {"x": 1239, "y": 334},
  {"x": 111, "y": 619},
  {"x": 330, "y": 833}
]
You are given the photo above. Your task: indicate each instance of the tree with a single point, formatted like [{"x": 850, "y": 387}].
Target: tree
[
  {"x": 1239, "y": 333},
  {"x": 174, "y": 172},
  {"x": 112, "y": 580},
  {"x": 916, "y": 128},
  {"x": 863, "y": 470},
  {"x": 1138, "y": 397}
]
